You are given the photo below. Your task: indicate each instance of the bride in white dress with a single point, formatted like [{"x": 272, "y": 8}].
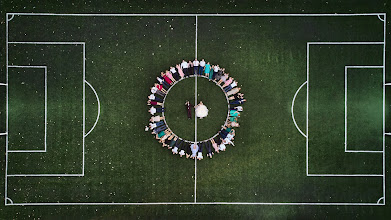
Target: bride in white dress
[{"x": 201, "y": 111}]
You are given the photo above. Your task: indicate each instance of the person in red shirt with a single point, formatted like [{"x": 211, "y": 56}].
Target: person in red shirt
[
  {"x": 160, "y": 87},
  {"x": 166, "y": 78}
]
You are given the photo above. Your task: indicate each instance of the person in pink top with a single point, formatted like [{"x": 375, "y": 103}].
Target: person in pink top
[
  {"x": 166, "y": 78},
  {"x": 228, "y": 81},
  {"x": 180, "y": 71},
  {"x": 169, "y": 74}
]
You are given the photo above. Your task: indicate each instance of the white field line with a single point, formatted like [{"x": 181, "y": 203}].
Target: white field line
[
  {"x": 3, "y": 134},
  {"x": 351, "y": 175},
  {"x": 346, "y": 108},
  {"x": 195, "y": 117},
  {"x": 97, "y": 99},
  {"x": 84, "y": 104},
  {"x": 199, "y": 203},
  {"x": 307, "y": 139},
  {"x": 387, "y": 84},
  {"x": 378, "y": 201},
  {"x": 384, "y": 108},
  {"x": 10, "y": 18},
  {"x": 6, "y": 112},
  {"x": 293, "y": 115},
  {"x": 14, "y": 66},
  {"x": 201, "y": 15},
  {"x": 195, "y": 121},
  {"x": 3, "y": 84},
  {"x": 378, "y": 16},
  {"x": 47, "y": 43},
  {"x": 208, "y": 15},
  {"x": 346, "y": 43},
  {"x": 306, "y": 121},
  {"x": 44, "y": 175},
  {"x": 46, "y": 106}
]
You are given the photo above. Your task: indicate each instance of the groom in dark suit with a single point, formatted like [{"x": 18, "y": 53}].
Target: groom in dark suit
[{"x": 188, "y": 106}]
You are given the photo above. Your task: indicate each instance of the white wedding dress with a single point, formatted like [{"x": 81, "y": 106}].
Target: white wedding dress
[{"x": 201, "y": 111}]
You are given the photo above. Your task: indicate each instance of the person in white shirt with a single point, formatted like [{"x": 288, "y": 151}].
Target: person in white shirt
[
  {"x": 153, "y": 110},
  {"x": 156, "y": 118},
  {"x": 152, "y": 97},
  {"x": 216, "y": 69},
  {"x": 196, "y": 65},
  {"x": 202, "y": 67},
  {"x": 154, "y": 125},
  {"x": 174, "y": 150},
  {"x": 194, "y": 150},
  {"x": 237, "y": 108},
  {"x": 157, "y": 91},
  {"x": 174, "y": 73},
  {"x": 199, "y": 156},
  {"x": 222, "y": 147},
  {"x": 185, "y": 68}
]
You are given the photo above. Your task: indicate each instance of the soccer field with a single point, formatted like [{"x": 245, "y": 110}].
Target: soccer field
[{"x": 313, "y": 132}]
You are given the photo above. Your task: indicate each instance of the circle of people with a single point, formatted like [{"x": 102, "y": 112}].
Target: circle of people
[{"x": 166, "y": 137}]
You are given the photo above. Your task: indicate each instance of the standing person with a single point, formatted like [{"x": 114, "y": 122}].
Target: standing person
[
  {"x": 191, "y": 68},
  {"x": 207, "y": 71},
  {"x": 233, "y": 91},
  {"x": 234, "y": 113},
  {"x": 155, "y": 125},
  {"x": 214, "y": 145},
  {"x": 174, "y": 73},
  {"x": 228, "y": 81},
  {"x": 237, "y": 101},
  {"x": 180, "y": 71},
  {"x": 152, "y": 97},
  {"x": 161, "y": 80},
  {"x": 199, "y": 155},
  {"x": 238, "y": 108},
  {"x": 188, "y": 106},
  {"x": 188, "y": 149},
  {"x": 216, "y": 69},
  {"x": 156, "y": 118},
  {"x": 223, "y": 78},
  {"x": 231, "y": 86},
  {"x": 149, "y": 102},
  {"x": 160, "y": 87},
  {"x": 169, "y": 74},
  {"x": 153, "y": 110},
  {"x": 185, "y": 68},
  {"x": 196, "y": 65},
  {"x": 157, "y": 91},
  {"x": 166, "y": 78},
  {"x": 209, "y": 152},
  {"x": 202, "y": 67},
  {"x": 194, "y": 150}
]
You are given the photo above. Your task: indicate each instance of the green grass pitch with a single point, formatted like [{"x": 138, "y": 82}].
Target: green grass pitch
[{"x": 311, "y": 137}]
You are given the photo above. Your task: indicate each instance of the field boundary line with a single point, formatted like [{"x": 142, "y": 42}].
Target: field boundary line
[
  {"x": 200, "y": 15},
  {"x": 292, "y": 113},
  {"x": 206, "y": 15},
  {"x": 48, "y": 42},
  {"x": 97, "y": 99},
  {"x": 46, "y": 106},
  {"x": 307, "y": 139},
  {"x": 346, "y": 108},
  {"x": 199, "y": 203}
]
